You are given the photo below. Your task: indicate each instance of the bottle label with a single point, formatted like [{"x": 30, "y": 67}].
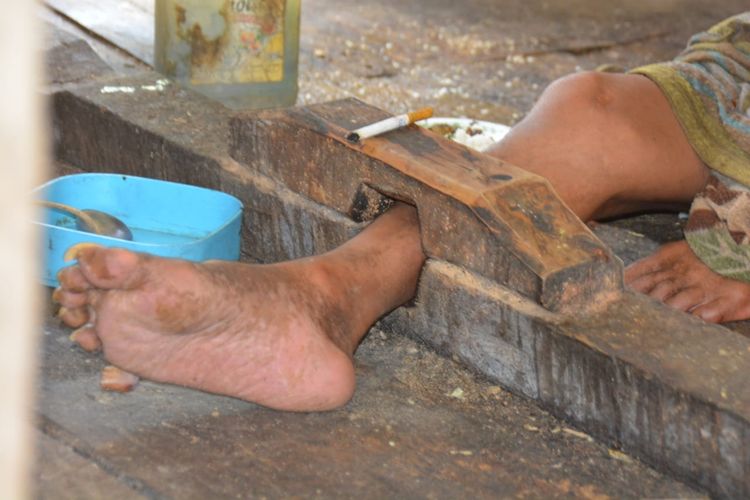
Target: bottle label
[{"x": 241, "y": 42}]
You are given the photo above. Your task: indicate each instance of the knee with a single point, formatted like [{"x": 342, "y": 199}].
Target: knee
[{"x": 589, "y": 92}]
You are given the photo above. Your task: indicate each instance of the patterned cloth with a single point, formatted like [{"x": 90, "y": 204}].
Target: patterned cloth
[
  {"x": 708, "y": 87},
  {"x": 718, "y": 229}
]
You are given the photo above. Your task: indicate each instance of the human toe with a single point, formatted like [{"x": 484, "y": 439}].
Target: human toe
[
  {"x": 110, "y": 268},
  {"x": 74, "y": 317},
  {"x": 648, "y": 282},
  {"x": 72, "y": 278},
  {"x": 87, "y": 338},
  {"x": 641, "y": 268},
  {"x": 686, "y": 299},
  {"x": 117, "y": 380},
  {"x": 664, "y": 289},
  {"x": 70, "y": 299},
  {"x": 712, "y": 311}
]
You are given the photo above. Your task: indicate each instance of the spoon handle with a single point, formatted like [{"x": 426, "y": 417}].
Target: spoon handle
[{"x": 87, "y": 220}]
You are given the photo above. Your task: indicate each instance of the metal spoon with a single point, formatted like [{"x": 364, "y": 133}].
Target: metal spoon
[{"x": 94, "y": 221}]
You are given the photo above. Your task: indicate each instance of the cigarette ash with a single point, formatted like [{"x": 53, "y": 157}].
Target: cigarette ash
[{"x": 472, "y": 133}]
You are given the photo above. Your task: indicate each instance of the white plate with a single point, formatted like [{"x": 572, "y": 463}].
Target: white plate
[{"x": 490, "y": 132}]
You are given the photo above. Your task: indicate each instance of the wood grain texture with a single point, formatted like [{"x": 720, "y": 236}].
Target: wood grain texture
[{"x": 496, "y": 219}]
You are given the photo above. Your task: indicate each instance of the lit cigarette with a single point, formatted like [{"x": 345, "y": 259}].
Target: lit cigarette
[{"x": 388, "y": 124}]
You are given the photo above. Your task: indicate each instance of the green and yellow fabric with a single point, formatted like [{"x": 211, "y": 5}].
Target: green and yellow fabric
[{"x": 708, "y": 87}]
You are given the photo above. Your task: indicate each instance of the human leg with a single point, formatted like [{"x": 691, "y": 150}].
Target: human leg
[
  {"x": 281, "y": 335},
  {"x": 610, "y": 145}
]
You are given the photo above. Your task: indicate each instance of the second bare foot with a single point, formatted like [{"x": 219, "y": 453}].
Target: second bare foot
[{"x": 675, "y": 276}]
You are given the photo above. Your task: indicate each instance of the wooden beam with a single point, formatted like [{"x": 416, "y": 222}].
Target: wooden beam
[{"x": 475, "y": 211}]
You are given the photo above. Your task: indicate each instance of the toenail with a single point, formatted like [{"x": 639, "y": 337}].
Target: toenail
[
  {"x": 115, "y": 379},
  {"x": 72, "y": 252}
]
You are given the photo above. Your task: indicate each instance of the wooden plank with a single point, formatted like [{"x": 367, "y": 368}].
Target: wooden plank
[
  {"x": 128, "y": 24},
  {"x": 485, "y": 184},
  {"x": 492, "y": 218},
  {"x": 60, "y": 472},
  {"x": 403, "y": 436}
]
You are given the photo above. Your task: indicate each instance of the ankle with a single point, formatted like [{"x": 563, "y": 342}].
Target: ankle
[
  {"x": 379, "y": 267},
  {"x": 329, "y": 285}
]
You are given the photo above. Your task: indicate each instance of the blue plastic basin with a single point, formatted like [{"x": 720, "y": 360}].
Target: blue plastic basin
[{"x": 166, "y": 218}]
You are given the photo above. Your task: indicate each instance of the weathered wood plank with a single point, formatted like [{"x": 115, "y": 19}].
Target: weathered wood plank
[
  {"x": 475, "y": 211},
  {"x": 70, "y": 59},
  {"x": 403, "y": 436},
  {"x": 128, "y": 24},
  {"x": 61, "y": 473}
]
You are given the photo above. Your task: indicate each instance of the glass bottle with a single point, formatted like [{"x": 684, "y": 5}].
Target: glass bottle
[{"x": 241, "y": 52}]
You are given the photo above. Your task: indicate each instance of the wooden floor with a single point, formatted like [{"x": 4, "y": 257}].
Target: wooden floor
[{"x": 419, "y": 425}]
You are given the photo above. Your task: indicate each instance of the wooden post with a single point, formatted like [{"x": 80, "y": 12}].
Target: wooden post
[{"x": 22, "y": 147}]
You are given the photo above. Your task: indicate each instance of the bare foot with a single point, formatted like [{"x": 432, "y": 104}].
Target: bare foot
[
  {"x": 675, "y": 276},
  {"x": 280, "y": 335}
]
